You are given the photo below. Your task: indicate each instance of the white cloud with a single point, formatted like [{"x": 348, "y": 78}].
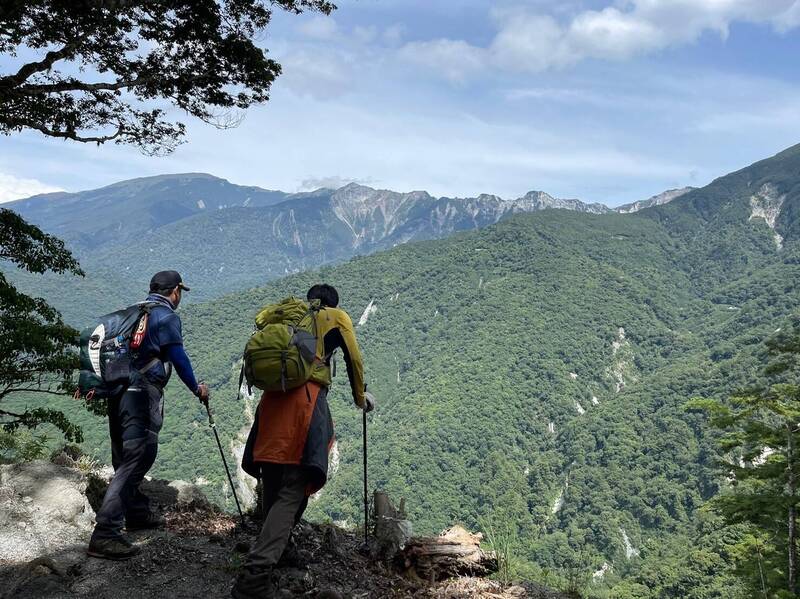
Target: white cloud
[
  {"x": 393, "y": 35},
  {"x": 533, "y": 42},
  {"x": 319, "y": 74},
  {"x": 455, "y": 59},
  {"x": 14, "y": 188},
  {"x": 365, "y": 35},
  {"x": 332, "y": 182},
  {"x": 319, "y": 27}
]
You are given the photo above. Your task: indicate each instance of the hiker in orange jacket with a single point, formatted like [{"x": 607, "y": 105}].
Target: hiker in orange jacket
[{"x": 288, "y": 446}]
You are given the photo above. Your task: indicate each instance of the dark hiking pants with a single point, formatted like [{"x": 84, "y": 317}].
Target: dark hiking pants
[
  {"x": 134, "y": 421},
  {"x": 285, "y": 500}
]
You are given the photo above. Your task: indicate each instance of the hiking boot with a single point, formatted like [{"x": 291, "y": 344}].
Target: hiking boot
[
  {"x": 293, "y": 557},
  {"x": 117, "y": 548},
  {"x": 148, "y": 522},
  {"x": 254, "y": 584}
]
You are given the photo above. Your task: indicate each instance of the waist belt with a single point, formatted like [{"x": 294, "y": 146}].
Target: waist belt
[
  {"x": 167, "y": 372},
  {"x": 149, "y": 365}
]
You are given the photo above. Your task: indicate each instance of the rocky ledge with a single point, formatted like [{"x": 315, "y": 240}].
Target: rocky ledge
[{"x": 47, "y": 514}]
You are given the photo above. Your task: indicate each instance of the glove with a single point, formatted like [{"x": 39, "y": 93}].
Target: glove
[
  {"x": 369, "y": 401},
  {"x": 202, "y": 392}
]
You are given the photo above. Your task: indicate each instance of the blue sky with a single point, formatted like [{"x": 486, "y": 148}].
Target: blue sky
[{"x": 605, "y": 101}]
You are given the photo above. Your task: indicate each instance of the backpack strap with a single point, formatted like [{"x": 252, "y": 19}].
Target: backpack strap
[
  {"x": 241, "y": 380},
  {"x": 284, "y": 372}
]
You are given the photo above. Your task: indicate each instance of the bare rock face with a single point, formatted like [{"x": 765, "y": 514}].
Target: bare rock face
[
  {"x": 43, "y": 508},
  {"x": 46, "y": 508},
  {"x": 163, "y": 494},
  {"x": 664, "y": 197}
]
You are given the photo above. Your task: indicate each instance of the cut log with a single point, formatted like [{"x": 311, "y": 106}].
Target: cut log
[{"x": 456, "y": 552}]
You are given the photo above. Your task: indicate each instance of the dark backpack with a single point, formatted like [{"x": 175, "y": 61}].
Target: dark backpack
[{"x": 107, "y": 350}]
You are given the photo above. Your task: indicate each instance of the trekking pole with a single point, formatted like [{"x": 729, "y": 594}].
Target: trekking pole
[
  {"x": 366, "y": 498},
  {"x": 213, "y": 426}
]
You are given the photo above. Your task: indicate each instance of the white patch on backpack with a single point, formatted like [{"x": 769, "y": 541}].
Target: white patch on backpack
[{"x": 94, "y": 348}]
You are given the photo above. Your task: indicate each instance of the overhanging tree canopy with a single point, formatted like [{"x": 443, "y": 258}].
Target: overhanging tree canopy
[
  {"x": 37, "y": 350},
  {"x": 93, "y": 70}
]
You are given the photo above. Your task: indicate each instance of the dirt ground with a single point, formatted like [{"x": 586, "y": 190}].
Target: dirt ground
[{"x": 200, "y": 553}]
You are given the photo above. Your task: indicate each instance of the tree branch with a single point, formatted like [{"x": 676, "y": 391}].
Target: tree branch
[
  {"x": 6, "y": 392},
  {"x": 71, "y": 134},
  {"x": 36, "y": 67},
  {"x": 69, "y": 85},
  {"x": 12, "y": 414}
]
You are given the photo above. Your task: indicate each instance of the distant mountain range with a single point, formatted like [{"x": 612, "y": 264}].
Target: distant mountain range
[
  {"x": 224, "y": 237},
  {"x": 117, "y": 214}
]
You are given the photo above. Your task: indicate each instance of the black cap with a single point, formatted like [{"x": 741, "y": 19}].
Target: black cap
[{"x": 166, "y": 280}]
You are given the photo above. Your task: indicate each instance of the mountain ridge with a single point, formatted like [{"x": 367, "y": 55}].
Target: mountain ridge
[
  {"x": 37, "y": 208},
  {"x": 223, "y": 237}
]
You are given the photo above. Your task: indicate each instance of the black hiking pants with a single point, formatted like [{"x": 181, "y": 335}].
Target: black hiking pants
[{"x": 134, "y": 421}]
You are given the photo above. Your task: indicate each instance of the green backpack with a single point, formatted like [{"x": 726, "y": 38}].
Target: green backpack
[{"x": 281, "y": 353}]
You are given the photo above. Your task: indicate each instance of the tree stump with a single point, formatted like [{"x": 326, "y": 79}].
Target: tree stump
[
  {"x": 455, "y": 552},
  {"x": 392, "y": 530}
]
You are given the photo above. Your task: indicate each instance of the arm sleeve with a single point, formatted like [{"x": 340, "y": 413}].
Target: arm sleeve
[
  {"x": 352, "y": 357},
  {"x": 180, "y": 361}
]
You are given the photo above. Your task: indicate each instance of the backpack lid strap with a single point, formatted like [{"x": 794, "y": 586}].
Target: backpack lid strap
[{"x": 241, "y": 380}]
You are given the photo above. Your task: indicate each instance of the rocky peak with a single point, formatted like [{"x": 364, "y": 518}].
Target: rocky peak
[
  {"x": 373, "y": 214},
  {"x": 540, "y": 200},
  {"x": 657, "y": 200}
]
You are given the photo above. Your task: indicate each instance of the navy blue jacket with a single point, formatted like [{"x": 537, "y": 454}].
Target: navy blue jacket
[{"x": 163, "y": 340}]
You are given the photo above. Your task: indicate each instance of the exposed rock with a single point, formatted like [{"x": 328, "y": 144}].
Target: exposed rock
[
  {"x": 599, "y": 574},
  {"x": 622, "y": 371},
  {"x": 539, "y": 200},
  {"x": 368, "y": 311},
  {"x": 767, "y": 204},
  {"x": 558, "y": 503},
  {"x": 43, "y": 508},
  {"x": 630, "y": 550},
  {"x": 657, "y": 200},
  {"x": 41, "y": 577},
  {"x": 177, "y": 494}
]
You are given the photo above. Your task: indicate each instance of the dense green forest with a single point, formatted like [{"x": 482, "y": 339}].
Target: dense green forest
[{"x": 535, "y": 375}]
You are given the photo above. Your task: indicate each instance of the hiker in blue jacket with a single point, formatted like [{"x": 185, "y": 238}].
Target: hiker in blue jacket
[{"x": 135, "y": 418}]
